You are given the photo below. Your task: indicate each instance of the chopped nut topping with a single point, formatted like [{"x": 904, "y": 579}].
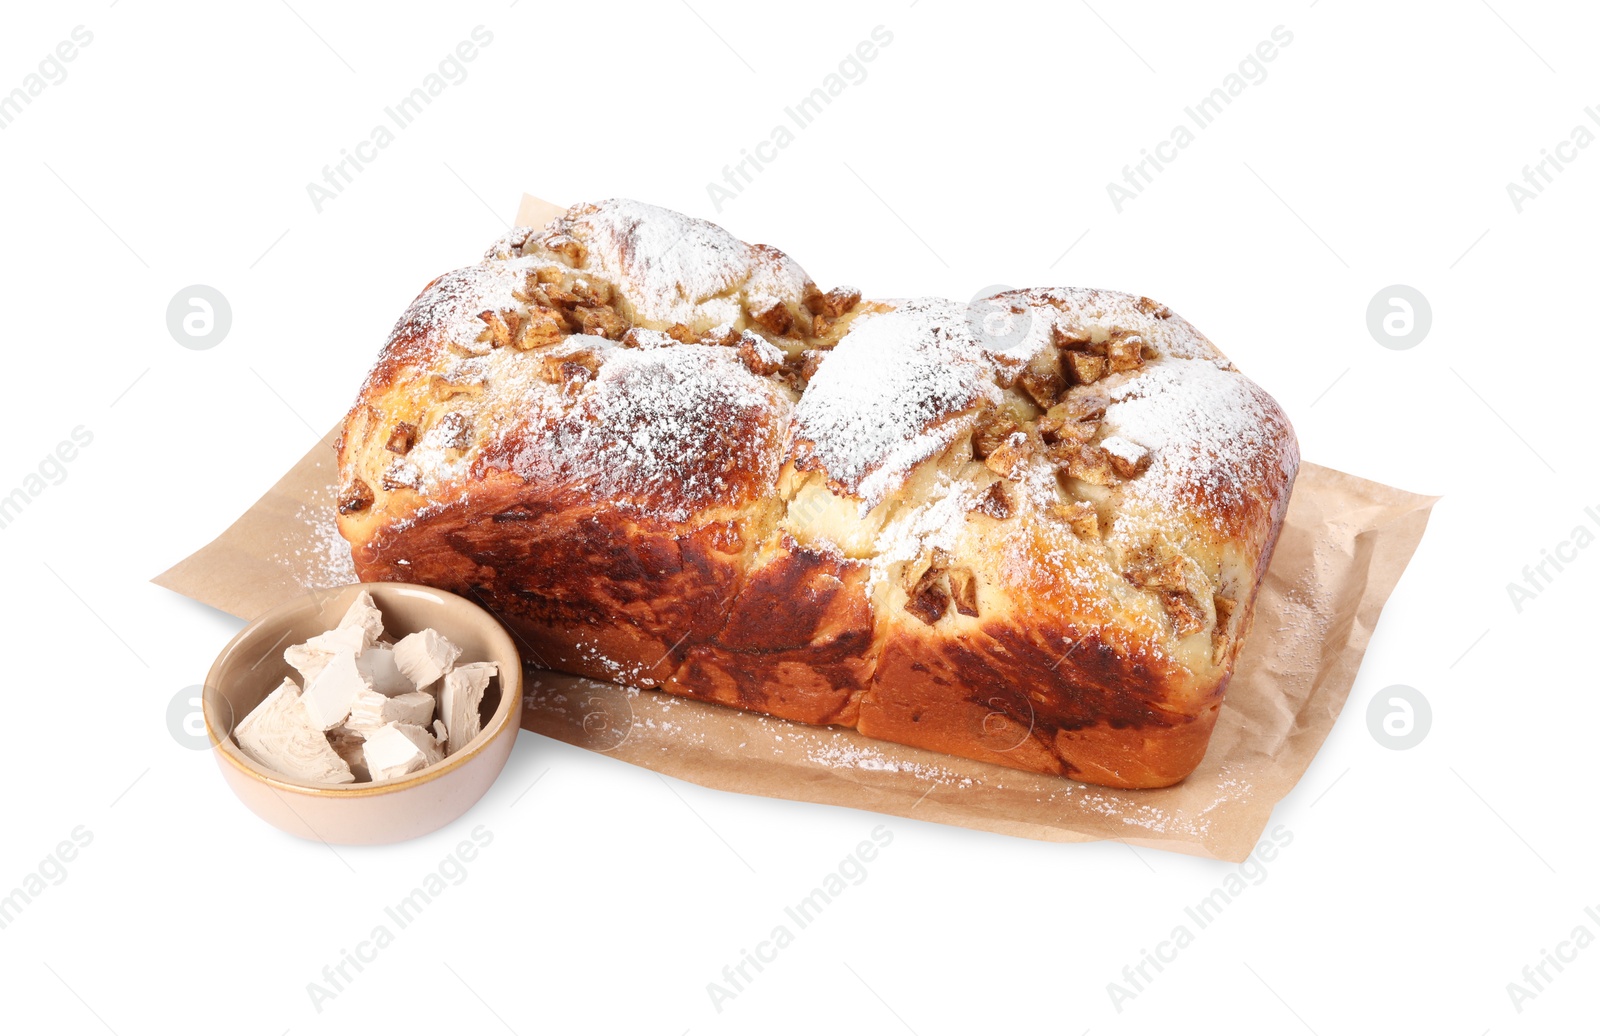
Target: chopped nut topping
[
  {"x": 455, "y": 431},
  {"x": 928, "y": 595},
  {"x": 994, "y": 427},
  {"x": 810, "y": 360},
  {"x": 402, "y": 438},
  {"x": 1177, "y": 577},
  {"x": 821, "y": 325},
  {"x": 443, "y": 388},
  {"x": 573, "y": 375},
  {"x": 964, "y": 590},
  {"x": 995, "y": 501},
  {"x": 682, "y": 333},
  {"x": 1086, "y": 462},
  {"x": 1085, "y": 404},
  {"x": 1156, "y": 567},
  {"x": 1128, "y": 459},
  {"x": 542, "y": 326},
  {"x": 1224, "y": 607},
  {"x": 402, "y": 474},
  {"x": 568, "y": 246},
  {"x": 1081, "y": 515},
  {"x": 1042, "y": 380},
  {"x": 572, "y": 371},
  {"x": 724, "y": 336},
  {"x": 774, "y": 316},
  {"x": 1125, "y": 354},
  {"x": 357, "y": 496},
  {"x": 759, "y": 356},
  {"x": 1066, "y": 339},
  {"x": 1185, "y": 613},
  {"x": 929, "y": 599},
  {"x": 1058, "y": 426},
  {"x": 547, "y": 275},
  {"x": 833, "y": 304},
  {"x": 1150, "y": 307},
  {"x": 500, "y": 328},
  {"x": 1010, "y": 457},
  {"x": 600, "y": 320},
  {"x": 1086, "y": 368}
]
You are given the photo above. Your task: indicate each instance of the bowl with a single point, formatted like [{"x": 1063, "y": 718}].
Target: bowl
[{"x": 376, "y": 812}]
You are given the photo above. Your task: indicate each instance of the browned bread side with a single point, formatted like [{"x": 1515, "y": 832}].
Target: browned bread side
[{"x": 1028, "y": 530}]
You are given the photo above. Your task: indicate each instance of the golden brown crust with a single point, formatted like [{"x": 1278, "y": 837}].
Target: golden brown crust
[{"x": 666, "y": 458}]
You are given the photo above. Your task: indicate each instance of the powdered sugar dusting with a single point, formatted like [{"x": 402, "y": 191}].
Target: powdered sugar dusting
[
  {"x": 662, "y": 428},
  {"x": 322, "y": 557},
  {"x": 1206, "y": 426},
  {"x": 884, "y": 398}
]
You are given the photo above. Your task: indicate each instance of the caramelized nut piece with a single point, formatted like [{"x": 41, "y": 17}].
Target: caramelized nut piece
[
  {"x": 1008, "y": 459},
  {"x": 929, "y": 600},
  {"x": 1150, "y": 307},
  {"x": 1081, "y": 515},
  {"x": 600, "y": 320},
  {"x": 1156, "y": 568},
  {"x": 1068, "y": 339},
  {"x": 573, "y": 375},
  {"x": 995, "y": 501},
  {"x": 1125, "y": 354},
  {"x": 540, "y": 327},
  {"x": 821, "y": 325},
  {"x": 1090, "y": 464},
  {"x": 402, "y": 474},
  {"x": 724, "y": 335},
  {"x": 810, "y": 360},
  {"x": 445, "y": 389},
  {"x": 568, "y": 246},
  {"x": 835, "y": 303},
  {"x": 759, "y": 356},
  {"x": 1219, "y": 634},
  {"x": 402, "y": 438},
  {"x": 500, "y": 328},
  {"x": 455, "y": 431},
  {"x": 772, "y": 315},
  {"x": 1084, "y": 404},
  {"x": 1185, "y": 612},
  {"x": 357, "y": 496},
  {"x": 1128, "y": 459},
  {"x": 1042, "y": 379},
  {"x": 994, "y": 427},
  {"x": 682, "y": 333},
  {"x": 571, "y": 371},
  {"x": 964, "y": 590},
  {"x": 1086, "y": 368}
]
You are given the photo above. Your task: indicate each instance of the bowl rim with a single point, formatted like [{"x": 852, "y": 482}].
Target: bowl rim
[{"x": 510, "y": 700}]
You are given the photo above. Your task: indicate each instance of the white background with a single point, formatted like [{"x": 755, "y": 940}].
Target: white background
[{"x": 977, "y": 150}]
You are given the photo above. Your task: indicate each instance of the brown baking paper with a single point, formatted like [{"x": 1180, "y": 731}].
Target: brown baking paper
[{"x": 1344, "y": 545}]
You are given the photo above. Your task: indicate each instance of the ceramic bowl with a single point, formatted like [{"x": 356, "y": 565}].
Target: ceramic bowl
[{"x": 377, "y": 812}]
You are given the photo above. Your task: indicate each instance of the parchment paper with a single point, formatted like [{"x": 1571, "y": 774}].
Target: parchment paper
[{"x": 1344, "y": 545}]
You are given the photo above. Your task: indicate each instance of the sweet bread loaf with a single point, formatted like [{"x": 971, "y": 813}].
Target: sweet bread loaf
[{"x": 1027, "y": 530}]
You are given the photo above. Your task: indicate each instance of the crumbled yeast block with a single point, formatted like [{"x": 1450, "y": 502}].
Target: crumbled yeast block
[
  {"x": 328, "y": 698},
  {"x": 365, "y": 616},
  {"x": 424, "y": 657},
  {"x": 377, "y": 664},
  {"x": 369, "y": 703},
  {"x": 396, "y": 749},
  {"x": 347, "y": 743},
  {"x": 278, "y": 735},
  {"x": 371, "y": 709},
  {"x": 460, "y": 700},
  {"x": 311, "y": 657}
]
